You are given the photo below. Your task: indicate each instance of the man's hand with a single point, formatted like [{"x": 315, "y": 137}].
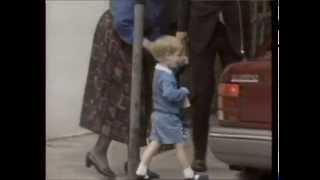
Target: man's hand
[
  {"x": 185, "y": 60},
  {"x": 182, "y": 36}
]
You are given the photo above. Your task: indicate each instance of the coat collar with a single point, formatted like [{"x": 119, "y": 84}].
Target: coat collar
[{"x": 163, "y": 68}]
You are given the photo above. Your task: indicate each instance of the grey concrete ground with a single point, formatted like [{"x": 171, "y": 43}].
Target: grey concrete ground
[{"x": 65, "y": 160}]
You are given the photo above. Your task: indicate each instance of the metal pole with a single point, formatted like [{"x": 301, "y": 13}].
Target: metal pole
[
  {"x": 263, "y": 22},
  {"x": 254, "y": 16},
  {"x": 135, "y": 101},
  {"x": 241, "y": 31}
]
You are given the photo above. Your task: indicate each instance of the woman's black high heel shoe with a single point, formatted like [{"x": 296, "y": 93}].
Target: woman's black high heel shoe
[{"x": 90, "y": 160}]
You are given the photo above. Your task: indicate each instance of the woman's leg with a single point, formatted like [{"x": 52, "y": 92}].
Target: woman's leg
[
  {"x": 100, "y": 151},
  {"x": 98, "y": 158}
]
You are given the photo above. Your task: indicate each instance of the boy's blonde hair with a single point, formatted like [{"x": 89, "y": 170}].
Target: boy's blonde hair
[{"x": 164, "y": 46}]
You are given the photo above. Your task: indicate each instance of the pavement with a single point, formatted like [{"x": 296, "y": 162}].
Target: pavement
[{"x": 65, "y": 160}]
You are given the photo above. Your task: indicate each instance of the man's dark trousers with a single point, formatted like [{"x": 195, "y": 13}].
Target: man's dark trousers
[{"x": 209, "y": 37}]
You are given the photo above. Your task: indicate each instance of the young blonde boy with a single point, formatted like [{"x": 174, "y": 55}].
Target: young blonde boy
[{"x": 168, "y": 102}]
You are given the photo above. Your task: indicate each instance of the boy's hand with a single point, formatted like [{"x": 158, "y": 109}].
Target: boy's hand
[
  {"x": 186, "y": 103},
  {"x": 185, "y": 90},
  {"x": 185, "y": 132}
]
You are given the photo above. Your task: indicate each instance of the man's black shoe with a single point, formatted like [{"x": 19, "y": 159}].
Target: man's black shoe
[{"x": 199, "y": 165}]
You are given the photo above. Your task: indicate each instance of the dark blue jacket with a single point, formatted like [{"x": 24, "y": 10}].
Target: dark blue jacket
[{"x": 155, "y": 23}]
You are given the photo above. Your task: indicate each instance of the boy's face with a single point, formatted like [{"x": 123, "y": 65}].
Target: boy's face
[{"x": 177, "y": 59}]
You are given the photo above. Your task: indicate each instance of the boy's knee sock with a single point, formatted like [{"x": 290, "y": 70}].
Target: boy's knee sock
[{"x": 142, "y": 169}]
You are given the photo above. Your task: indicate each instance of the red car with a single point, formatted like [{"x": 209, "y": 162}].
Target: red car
[{"x": 243, "y": 136}]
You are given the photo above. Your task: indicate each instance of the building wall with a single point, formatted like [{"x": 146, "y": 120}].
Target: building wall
[{"x": 70, "y": 25}]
